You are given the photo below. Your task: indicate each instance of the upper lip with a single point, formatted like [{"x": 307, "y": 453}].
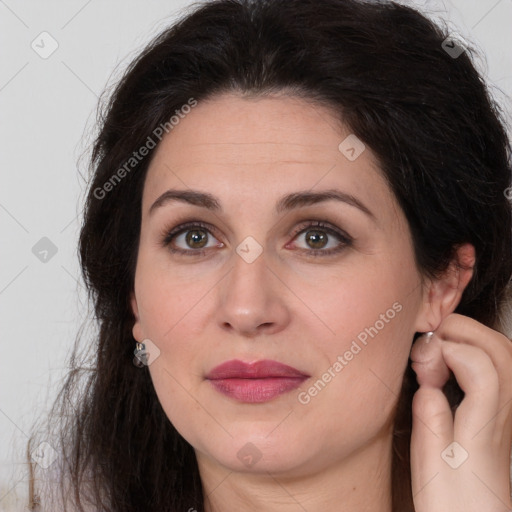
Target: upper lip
[{"x": 236, "y": 369}]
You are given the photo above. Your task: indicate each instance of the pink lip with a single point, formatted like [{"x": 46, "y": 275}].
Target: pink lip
[{"x": 256, "y": 382}]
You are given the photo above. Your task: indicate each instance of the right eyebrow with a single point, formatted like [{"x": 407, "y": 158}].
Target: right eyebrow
[{"x": 193, "y": 197}]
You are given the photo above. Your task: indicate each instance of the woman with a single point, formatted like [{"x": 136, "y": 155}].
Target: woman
[{"x": 286, "y": 196}]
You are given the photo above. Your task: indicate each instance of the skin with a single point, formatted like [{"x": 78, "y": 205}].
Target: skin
[
  {"x": 477, "y": 475},
  {"x": 289, "y": 306}
]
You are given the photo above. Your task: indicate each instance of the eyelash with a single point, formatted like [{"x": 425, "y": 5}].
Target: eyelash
[{"x": 169, "y": 234}]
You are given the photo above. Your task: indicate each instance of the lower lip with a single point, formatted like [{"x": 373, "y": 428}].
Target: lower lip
[{"x": 256, "y": 390}]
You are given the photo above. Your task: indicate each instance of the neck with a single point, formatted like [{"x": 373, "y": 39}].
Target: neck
[{"x": 361, "y": 481}]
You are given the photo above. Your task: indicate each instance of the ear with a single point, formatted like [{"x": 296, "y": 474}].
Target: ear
[
  {"x": 137, "y": 327},
  {"x": 442, "y": 296}
]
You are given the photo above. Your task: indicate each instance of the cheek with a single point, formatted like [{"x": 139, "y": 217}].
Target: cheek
[
  {"x": 362, "y": 304},
  {"x": 171, "y": 384},
  {"x": 356, "y": 393},
  {"x": 170, "y": 302},
  {"x": 372, "y": 327}
]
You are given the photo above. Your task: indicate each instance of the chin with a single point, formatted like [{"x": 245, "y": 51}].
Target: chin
[{"x": 260, "y": 453}]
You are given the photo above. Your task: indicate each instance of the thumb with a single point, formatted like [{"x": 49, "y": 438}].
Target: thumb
[
  {"x": 432, "y": 421},
  {"x": 428, "y": 362}
]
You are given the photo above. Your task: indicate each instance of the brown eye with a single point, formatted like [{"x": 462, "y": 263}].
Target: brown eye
[
  {"x": 190, "y": 239},
  {"x": 316, "y": 239},
  {"x": 317, "y": 236},
  {"x": 196, "y": 239}
]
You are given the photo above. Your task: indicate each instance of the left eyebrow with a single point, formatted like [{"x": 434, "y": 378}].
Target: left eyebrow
[
  {"x": 285, "y": 203},
  {"x": 306, "y": 198}
]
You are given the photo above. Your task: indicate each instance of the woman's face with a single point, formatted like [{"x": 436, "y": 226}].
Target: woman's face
[{"x": 259, "y": 281}]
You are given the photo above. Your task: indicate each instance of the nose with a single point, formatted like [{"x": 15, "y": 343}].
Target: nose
[{"x": 253, "y": 298}]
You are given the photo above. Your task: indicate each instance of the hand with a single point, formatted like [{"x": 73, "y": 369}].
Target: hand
[{"x": 460, "y": 461}]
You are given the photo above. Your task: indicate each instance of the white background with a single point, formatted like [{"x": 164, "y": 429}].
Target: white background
[{"x": 47, "y": 109}]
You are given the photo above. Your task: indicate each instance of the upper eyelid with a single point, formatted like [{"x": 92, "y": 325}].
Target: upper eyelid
[
  {"x": 301, "y": 226},
  {"x": 189, "y": 225}
]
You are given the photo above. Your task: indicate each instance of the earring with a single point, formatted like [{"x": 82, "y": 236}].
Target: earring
[
  {"x": 140, "y": 359},
  {"x": 429, "y": 336}
]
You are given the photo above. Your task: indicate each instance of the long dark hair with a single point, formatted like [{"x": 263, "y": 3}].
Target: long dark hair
[{"x": 386, "y": 71}]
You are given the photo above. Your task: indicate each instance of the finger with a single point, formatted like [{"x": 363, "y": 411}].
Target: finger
[
  {"x": 432, "y": 432},
  {"x": 459, "y": 328},
  {"x": 478, "y": 378},
  {"x": 432, "y": 418},
  {"x": 428, "y": 362}
]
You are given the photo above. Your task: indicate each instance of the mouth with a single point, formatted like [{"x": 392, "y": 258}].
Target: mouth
[{"x": 256, "y": 382}]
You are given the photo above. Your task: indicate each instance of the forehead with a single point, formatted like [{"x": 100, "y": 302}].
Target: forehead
[
  {"x": 260, "y": 148},
  {"x": 267, "y": 128}
]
